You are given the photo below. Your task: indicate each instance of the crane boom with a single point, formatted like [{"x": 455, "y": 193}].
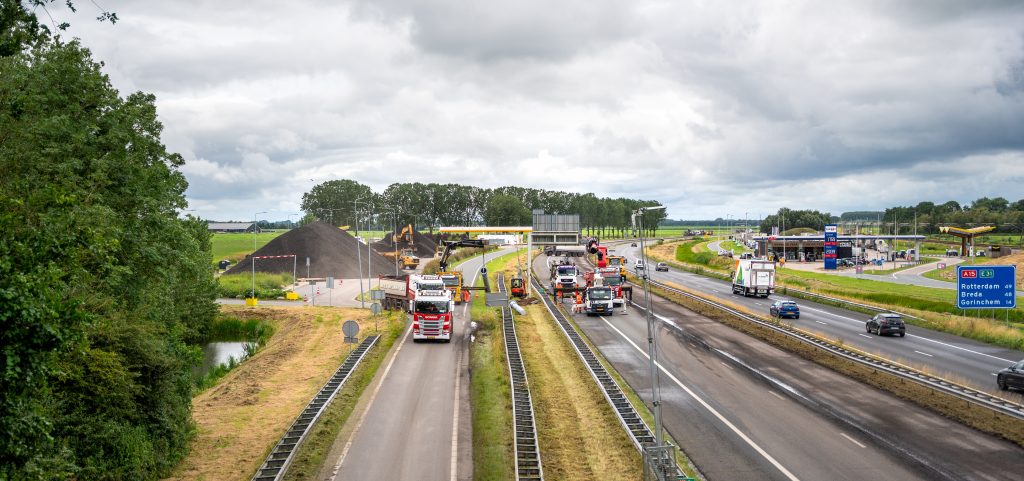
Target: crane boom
[{"x": 450, "y": 246}]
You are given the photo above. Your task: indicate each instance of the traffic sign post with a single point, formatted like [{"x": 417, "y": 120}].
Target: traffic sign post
[{"x": 986, "y": 287}]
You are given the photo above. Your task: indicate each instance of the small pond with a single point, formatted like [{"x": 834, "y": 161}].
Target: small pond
[{"x": 216, "y": 353}]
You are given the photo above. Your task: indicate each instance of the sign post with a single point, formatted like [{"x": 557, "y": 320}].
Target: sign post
[
  {"x": 831, "y": 246},
  {"x": 986, "y": 287}
]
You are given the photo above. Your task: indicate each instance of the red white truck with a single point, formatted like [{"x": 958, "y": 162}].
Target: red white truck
[
  {"x": 612, "y": 278},
  {"x": 427, "y": 302}
]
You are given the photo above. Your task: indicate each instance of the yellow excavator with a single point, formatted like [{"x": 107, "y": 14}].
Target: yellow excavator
[{"x": 407, "y": 255}]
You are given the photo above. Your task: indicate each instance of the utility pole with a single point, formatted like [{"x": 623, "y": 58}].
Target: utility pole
[{"x": 657, "y": 456}]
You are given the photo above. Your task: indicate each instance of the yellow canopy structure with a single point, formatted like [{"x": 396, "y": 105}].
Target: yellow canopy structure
[{"x": 966, "y": 235}]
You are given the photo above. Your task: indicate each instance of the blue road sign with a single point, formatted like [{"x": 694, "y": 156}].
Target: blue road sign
[{"x": 986, "y": 287}]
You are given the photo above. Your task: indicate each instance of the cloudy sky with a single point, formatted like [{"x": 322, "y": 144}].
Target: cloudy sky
[{"x": 714, "y": 108}]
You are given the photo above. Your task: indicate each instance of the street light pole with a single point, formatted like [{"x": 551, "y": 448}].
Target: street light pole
[
  {"x": 253, "y": 257},
  {"x": 359, "y": 255},
  {"x": 655, "y": 455}
]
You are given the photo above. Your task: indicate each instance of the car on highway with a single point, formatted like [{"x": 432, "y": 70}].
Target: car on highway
[
  {"x": 639, "y": 265},
  {"x": 1011, "y": 377},
  {"x": 784, "y": 309},
  {"x": 887, "y": 323},
  {"x": 662, "y": 267}
]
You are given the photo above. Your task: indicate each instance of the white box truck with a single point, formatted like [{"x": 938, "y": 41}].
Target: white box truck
[{"x": 754, "y": 277}]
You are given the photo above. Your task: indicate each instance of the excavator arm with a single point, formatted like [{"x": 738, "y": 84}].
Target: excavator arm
[{"x": 450, "y": 246}]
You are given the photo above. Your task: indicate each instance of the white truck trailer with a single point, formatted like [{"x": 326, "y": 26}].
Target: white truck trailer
[{"x": 754, "y": 277}]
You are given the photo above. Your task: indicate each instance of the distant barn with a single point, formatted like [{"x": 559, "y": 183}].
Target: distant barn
[{"x": 236, "y": 227}]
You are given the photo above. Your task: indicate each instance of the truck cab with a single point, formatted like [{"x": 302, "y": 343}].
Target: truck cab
[
  {"x": 432, "y": 315},
  {"x": 598, "y": 300},
  {"x": 453, "y": 282}
]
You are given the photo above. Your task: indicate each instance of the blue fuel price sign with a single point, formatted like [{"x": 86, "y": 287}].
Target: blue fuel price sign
[{"x": 986, "y": 287}]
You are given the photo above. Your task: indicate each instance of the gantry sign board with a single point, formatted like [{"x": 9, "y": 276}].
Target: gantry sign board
[{"x": 986, "y": 287}]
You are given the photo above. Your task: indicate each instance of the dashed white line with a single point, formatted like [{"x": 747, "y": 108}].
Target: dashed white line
[
  {"x": 854, "y": 441},
  {"x": 924, "y": 353},
  {"x": 864, "y": 335},
  {"x": 773, "y": 393},
  {"x": 726, "y": 365},
  {"x": 822, "y": 323},
  {"x": 707, "y": 406}
]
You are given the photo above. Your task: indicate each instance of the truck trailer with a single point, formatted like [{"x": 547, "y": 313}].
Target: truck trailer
[{"x": 754, "y": 277}]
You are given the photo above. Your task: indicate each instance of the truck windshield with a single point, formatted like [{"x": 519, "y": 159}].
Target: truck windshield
[
  {"x": 430, "y": 286},
  {"x": 567, "y": 271},
  {"x": 600, "y": 294},
  {"x": 612, "y": 280},
  {"x": 450, "y": 281},
  {"x": 431, "y": 307}
]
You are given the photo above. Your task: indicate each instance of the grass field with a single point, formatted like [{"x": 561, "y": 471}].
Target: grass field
[{"x": 234, "y": 247}]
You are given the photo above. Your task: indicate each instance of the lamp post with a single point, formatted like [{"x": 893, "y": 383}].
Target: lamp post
[
  {"x": 290, "y": 226},
  {"x": 253, "y": 259},
  {"x": 359, "y": 254},
  {"x": 658, "y": 452}
]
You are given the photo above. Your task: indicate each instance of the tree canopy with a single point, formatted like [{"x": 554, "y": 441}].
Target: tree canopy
[
  {"x": 433, "y": 205},
  {"x": 101, "y": 283}
]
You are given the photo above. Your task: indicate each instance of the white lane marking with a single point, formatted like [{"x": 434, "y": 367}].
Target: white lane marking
[
  {"x": 726, "y": 365},
  {"x": 919, "y": 337},
  {"x": 924, "y": 353},
  {"x": 773, "y": 393},
  {"x": 864, "y": 335},
  {"x": 854, "y": 441},
  {"x": 995, "y": 374},
  {"x": 663, "y": 318},
  {"x": 362, "y": 417},
  {"x": 822, "y": 323},
  {"x": 962, "y": 348},
  {"x": 707, "y": 406}
]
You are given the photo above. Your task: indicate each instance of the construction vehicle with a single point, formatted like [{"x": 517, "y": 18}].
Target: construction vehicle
[
  {"x": 399, "y": 291},
  {"x": 612, "y": 278},
  {"x": 754, "y": 277},
  {"x": 432, "y": 315},
  {"x": 619, "y": 262},
  {"x": 597, "y": 300},
  {"x": 517, "y": 287},
  {"x": 564, "y": 280},
  {"x": 460, "y": 291}
]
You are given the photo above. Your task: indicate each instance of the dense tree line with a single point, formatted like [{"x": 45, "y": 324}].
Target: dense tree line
[
  {"x": 102, "y": 286},
  {"x": 428, "y": 206},
  {"x": 786, "y": 219},
  {"x": 1006, "y": 216}
]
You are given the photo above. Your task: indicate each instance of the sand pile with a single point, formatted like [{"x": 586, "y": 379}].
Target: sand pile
[{"x": 331, "y": 252}]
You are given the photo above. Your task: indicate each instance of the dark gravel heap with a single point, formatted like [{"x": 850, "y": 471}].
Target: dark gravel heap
[
  {"x": 331, "y": 252},
  {"x": 424, "y": 244}
]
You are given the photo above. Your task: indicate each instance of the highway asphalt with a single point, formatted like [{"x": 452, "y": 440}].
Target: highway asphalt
[
  {"x": 742, "y": 409},
  {"x": 417, "y": 425},
  {"x": 953, "y": 357}
]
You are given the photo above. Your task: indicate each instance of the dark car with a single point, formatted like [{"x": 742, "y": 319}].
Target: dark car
[
  {"x": 1011, "y": 377},
  {"x": 888, "y": 323},
  {"x": 661, "y": 267},
  {"x": 784, "y": 309},
  {"x": 633, "y": 244}
]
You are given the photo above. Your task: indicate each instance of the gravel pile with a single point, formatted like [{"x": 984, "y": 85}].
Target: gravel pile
[{"x": 331, "y": 251}]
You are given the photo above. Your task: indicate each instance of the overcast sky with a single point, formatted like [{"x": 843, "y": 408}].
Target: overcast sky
[{"x": 713, "y": 108}]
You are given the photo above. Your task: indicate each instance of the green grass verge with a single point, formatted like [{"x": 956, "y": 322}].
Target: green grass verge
[
  {"x": 268, "y": 285},
  {"x": 924, "y": 260},
  {"x": 490, "y": 394},
  {"x": 314, "y": 449}
]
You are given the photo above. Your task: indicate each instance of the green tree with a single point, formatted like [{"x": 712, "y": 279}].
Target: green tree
[
  {"x": 336, "y": 201},
  {"x": 506, "y": 210},
  {"x": 101, "y": 284}
]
